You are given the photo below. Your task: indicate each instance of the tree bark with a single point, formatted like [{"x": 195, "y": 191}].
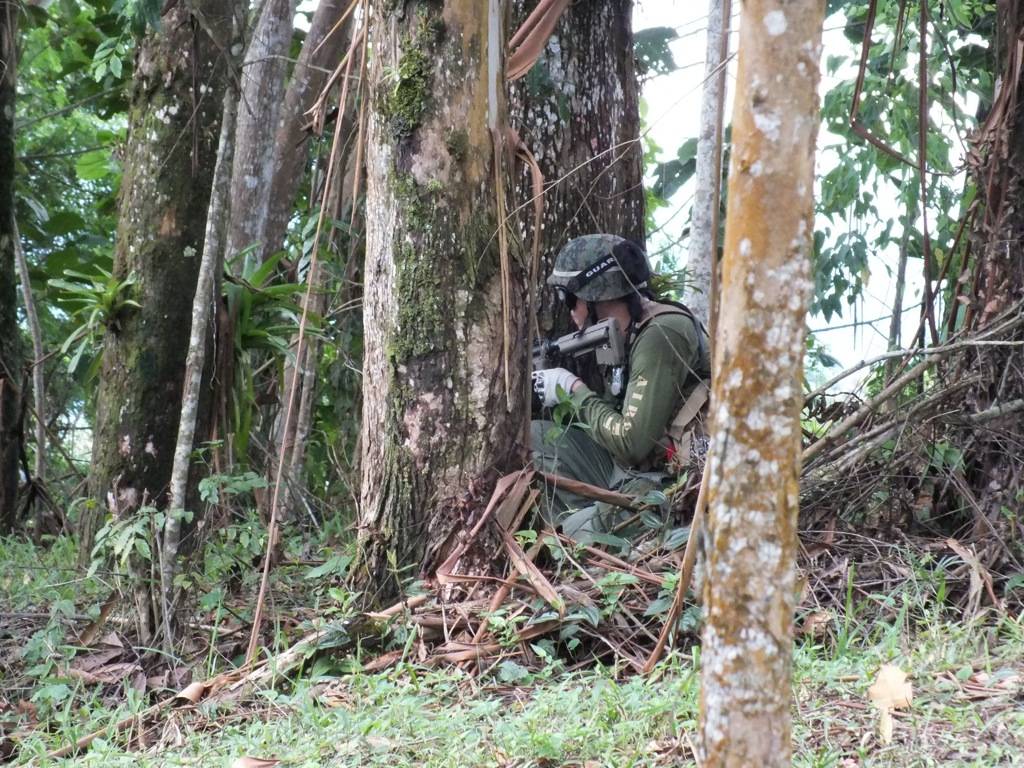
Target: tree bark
[
  {"x": 10, "y": 336},
  {"x": 290, "y": 144},
  {"x": 336, "y": 194},
  {"x": 263, "y": 76},
  {"x": 750, "y": 590},
  {"x": 704, "y": 231},
  {"x": 168, "y": 164},
  {"x": 438, "y": 421},
  {"x": 204, "y": 304},
  {"x": 578, "y": 111},
  {"x": 38, "y": 354},
  {"x": 992, "y": 459}
]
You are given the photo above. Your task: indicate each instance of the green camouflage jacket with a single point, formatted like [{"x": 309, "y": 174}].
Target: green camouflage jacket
[{"x": 666, "y": 362}]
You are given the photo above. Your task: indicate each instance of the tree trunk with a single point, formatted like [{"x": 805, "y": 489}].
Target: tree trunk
[
  {"x": 577, "y": 110},
  {"x": 992, "y": 459},
  {"x": 441, "y": 413},
  {"x": 290, "y": 144},
  {"x": 750, "y": 590},
  {"x": 10, "y": 335},
  {"x": 896, "y": 321},
  {"x": 704, "y": 232},
  {"x": 38, "y": 356},
  {"x": 259, "y": 106},
  {"x": 168, "y": 166},
  {"x": 204, "y": 304},
  {"x": 336, "y": 194}
]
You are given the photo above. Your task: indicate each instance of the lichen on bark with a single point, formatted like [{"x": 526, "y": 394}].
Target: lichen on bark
[
  {"x": 749, "y": 593},
  {"x": 406, "y": 98}
]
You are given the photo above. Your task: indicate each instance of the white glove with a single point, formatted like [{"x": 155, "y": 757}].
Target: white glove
[{"x": 546, "y": 384}]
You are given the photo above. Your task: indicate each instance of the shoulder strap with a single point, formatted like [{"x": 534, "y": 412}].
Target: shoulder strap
[
  {"x": 664, "y": 307},
  {"x": 693, "y": 405}
]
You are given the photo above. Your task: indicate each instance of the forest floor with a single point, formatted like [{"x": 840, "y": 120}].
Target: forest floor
[{"x": 967, "y": 673}]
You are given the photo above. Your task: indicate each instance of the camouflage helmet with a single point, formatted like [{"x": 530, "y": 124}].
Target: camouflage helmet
[{"x": 600, "y": 267}]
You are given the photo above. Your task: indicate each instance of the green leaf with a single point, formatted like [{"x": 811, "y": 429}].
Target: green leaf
[
  {"x": 94, "y": 165},
  {"x": 658, "y": 607},
  {"x": 336, "y": 565},
  {"x": 1014, "y": 582},
  {"x": 671, "y": 175},
  {"x": 591, "y": 613},
  {"x": 652, "y": 51},
  {"x": 142, "y": 549},
  {"x": 677, "y": 537},
  {"x": 654, "y": 498},
  {"x": 511, "y": 672}
]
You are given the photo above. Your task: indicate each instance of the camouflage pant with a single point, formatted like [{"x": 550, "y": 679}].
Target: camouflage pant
[{"x": 571, "y": 452}]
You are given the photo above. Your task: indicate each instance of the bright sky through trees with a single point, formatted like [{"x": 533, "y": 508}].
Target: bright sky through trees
[{"x": 673, "y": 110}]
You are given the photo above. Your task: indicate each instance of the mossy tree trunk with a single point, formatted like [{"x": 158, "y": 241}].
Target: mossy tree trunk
[
  {"x": 168, "y": 166},
  {"x": 10, "y": 346},
  {"x": 438, "y": 424},
  {"x": 750, "y": 589},
  {"x": 578, "y": 111}
]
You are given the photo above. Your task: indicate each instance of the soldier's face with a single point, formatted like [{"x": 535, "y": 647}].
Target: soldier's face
[{"x": 579, "y": 314}]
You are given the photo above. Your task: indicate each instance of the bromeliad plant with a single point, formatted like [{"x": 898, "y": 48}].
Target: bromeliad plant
[
  {"x": 266, "y": 318},
  {"x": 95, "y": 302}
]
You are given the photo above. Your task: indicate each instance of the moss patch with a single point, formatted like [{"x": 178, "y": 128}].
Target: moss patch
[
  {"x": 406, "y": 103},
  {"x": 421, "y": 316},
  {"x": 457, "y": 142}
]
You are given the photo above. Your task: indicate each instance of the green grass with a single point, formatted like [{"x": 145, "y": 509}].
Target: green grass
[{"x": 413, "y": 717}]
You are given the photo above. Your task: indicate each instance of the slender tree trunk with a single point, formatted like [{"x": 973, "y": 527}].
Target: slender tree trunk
[
  {"x": 263, "y": 76},
  {"x": 320, "y": 53},
  {"x": 704, "y": 230},
  {"x": 750, "y": 590},
  {"x": 337, "y": 195},
  {"x": 38, "y": 353},
  {"x": 896, "y": 321},
  {"x": 440, "y": 408},
  {"x": 577, "y": 110},
  {"x": 174, "y": 124},
  {"x": 203, "y": 306},
  {"x": 10, "y": 346}
]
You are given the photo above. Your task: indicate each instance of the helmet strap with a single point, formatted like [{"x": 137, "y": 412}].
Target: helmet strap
[{"x": 584, "y": 276}]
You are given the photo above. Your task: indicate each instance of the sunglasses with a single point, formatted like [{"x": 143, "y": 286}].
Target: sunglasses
[{"x": 568, "y": 298}]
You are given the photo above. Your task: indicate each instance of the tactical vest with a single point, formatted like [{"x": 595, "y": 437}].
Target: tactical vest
[{"x": 687, "y": 424}]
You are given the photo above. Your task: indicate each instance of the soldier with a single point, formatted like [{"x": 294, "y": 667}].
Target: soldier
[{"x": 627, "y": 437}]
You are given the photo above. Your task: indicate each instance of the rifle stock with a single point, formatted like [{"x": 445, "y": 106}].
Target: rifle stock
[{"x": 603, "y": 338}]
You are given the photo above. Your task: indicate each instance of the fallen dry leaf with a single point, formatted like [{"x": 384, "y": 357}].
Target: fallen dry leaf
[
  {"x": 891, "y": 690},
  {"x": 94, "y": 661},
  {"x": 255, "y": 762},
  {"x": 816, "y": 624},
  {"x": 192, "y": 693},
  {"x": 107, "y": 674},
  {"x": 112, "y": 640}
]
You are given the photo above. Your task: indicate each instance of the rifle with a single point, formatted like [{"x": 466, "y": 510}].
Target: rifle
[{"x": 603, "y": 338}]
